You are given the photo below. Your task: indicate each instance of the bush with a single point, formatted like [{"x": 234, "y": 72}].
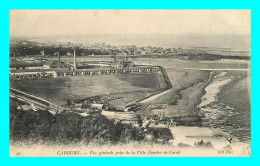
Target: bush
[
  {"x": 183, "y": 145},
  {"x": 201, "y": 143}
]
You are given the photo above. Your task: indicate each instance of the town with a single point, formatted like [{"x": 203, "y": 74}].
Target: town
[{"x": 53, "y": 48}]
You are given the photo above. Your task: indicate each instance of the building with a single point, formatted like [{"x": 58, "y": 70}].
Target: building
[
  {"x": 97, "y": 106},
  {"x": 173, "y": 50},
  {"x": 44, "y": 67},
  {"x": 143, "y": 53},
  {"x": 171, "y": 123},
  {"x": 29, "y": 75},
  {"x": 125, "y": 62},
  {"x": 68, "y": 53},
  {"x": 179, "y": 50}
]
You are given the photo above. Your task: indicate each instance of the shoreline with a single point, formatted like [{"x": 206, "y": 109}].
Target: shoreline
[{"x": 220, "y": 113}]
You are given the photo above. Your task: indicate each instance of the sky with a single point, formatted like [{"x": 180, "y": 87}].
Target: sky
[{"x": 84, "y": 22}]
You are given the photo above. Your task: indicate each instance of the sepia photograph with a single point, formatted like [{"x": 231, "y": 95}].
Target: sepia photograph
[{"x": 130, "y": 83}]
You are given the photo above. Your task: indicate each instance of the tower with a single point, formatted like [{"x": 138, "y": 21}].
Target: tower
[
  {"x": 42, "y": 52},
  {"x": 59, "y": 57},
  {"x": 75, "y": 65}
]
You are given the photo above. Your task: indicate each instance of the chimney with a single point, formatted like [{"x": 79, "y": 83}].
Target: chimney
[
  {"x": 75, "y": 66},
  {"x": 59, "y": 57}
]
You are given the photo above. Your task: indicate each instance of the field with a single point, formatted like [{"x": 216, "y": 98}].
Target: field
[{"x": 58, "y": 90}]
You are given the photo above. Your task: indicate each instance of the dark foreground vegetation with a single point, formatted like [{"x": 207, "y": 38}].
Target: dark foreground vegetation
[{"x": 34, "y": 127}]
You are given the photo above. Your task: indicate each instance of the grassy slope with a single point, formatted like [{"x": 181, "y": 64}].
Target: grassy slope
[{"x": 188, "y": 87}]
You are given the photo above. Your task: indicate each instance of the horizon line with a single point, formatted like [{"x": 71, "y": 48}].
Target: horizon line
[{"x": 15, "y": 35}]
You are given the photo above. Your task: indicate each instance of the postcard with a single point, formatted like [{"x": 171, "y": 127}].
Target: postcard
[{"x": 137, "y": 83}]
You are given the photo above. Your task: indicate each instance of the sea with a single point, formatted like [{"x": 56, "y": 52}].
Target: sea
[{"x": 226, "y": 104}]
